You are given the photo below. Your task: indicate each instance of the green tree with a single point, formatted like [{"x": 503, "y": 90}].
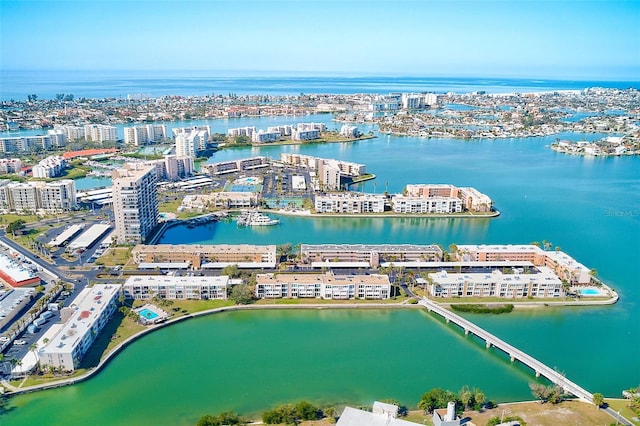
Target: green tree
[
  {"x": 437, "y": 398},
  {"x": 14, "y": 226},
  {"x": 242, "y": 294},
  {"x": 307, "y": 411},
  {"x": 226, "y": 418},
  {"x": 231, "y": 270},
  {"x": 598, "y": 399}
]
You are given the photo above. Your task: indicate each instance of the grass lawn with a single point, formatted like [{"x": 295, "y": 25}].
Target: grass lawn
[
  {"x": 313, "y": 301},
  {"x": 170, "y": 206},
  {"x": 622, "y": 405},
  {"x": 176, "y": 307},
  {"x": 115, "y": 256}
]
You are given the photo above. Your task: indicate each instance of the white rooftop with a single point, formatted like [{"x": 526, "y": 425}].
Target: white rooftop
[
  {"x": 89, "y": 305},
  {"x": 354, "y": 417},
  {"x": 175, "y": 280},
  {"x": 89, "y": 236},
  {"x": 15, "y": 269},
  {"x": 66, "y": 234}
]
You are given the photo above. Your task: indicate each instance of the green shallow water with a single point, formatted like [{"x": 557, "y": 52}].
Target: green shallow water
[{"x": 250, "y": 361}]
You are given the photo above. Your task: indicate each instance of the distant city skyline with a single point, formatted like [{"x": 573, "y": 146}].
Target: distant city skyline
[{"x": 528, "y": 39}]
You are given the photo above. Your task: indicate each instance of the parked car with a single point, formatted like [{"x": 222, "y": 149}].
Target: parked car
[
  {"x": 4, "y": 339},
  {"x": 20, "y": 342}
]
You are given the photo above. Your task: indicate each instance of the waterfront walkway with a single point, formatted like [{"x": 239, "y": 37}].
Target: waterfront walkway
[{"x": 514, "y": 353}]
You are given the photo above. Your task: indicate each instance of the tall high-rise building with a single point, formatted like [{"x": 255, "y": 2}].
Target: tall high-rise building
[{"x": 135, "y": 202}]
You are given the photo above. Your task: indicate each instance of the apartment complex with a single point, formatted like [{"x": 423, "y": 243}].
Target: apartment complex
[
  {"x": 10, "y": 165},
  {"x": 31, "y": 143},
  {"x": 330, "y": 173},
  {"x": 135, "y": 202},
  {"x": 83, "y": 321},
  {"x": 49, "y": 167},
  {"x": 144, "y": 287},
  {"x": 143, "y": 135},
  {"x": 47, "y": 197},
  {"x": 419, "y": 205},
  {"x": 353, "y": 202},
  {"x": 470, "y": 198},
  {"x": 561, "y": 263},
  {"x": 100, "y": 133},
  {"x": 539, "y": 282},
  {"x": 191, "y": 141},
  {"x": 207, "y": 255},
  {"x": 368, "y": 255},
  {"x": 235, "y": 166},
  {"x": 322, "y": 286}
]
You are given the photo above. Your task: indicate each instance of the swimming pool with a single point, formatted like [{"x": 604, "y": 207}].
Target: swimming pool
[
  {"x": 147, "y": 314},
  {"x": 589, "y": 292}
]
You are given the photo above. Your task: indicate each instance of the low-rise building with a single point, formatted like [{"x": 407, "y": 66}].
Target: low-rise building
[
  {"x": 353, "y": 202},
  {"x": 440, "y": 198},
  {"x": 538, "y": 282},
  {"x": 419, "y": 205},
  {"x": 368, "y": 255},
  {"x": 144, "y": 287},
  {"x": 566, "y": 267},
  {"x": 234, "y": 166},
  {"x": 208, "y": 255},
  {"x": 322, "y": 286},
  {"x": 86, "y": 317}
]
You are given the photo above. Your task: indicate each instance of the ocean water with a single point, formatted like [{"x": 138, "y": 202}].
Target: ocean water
[{"x": 119, "y": 84}]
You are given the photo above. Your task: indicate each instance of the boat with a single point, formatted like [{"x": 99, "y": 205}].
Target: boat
[{"x": 255, "y": 218}]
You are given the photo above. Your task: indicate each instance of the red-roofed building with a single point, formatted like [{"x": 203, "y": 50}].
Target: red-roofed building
[{"x": 88, "y": 153}]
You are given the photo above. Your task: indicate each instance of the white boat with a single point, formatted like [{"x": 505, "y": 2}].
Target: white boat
[{"x": 255, "y": 218}]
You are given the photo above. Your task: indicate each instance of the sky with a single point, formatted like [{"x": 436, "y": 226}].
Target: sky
[{"x": 481, "y": 38}]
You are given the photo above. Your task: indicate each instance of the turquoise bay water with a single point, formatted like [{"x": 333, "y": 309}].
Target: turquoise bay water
[{"x": 250, "y": 361}]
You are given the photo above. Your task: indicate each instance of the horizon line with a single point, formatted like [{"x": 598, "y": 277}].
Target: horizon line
[{"x": 224, "y": 73}]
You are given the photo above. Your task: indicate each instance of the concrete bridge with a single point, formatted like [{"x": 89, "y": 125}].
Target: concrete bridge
[{"x": 514, "y": 353}]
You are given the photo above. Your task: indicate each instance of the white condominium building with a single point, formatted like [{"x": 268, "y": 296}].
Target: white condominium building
[
  {"x": 88, "y": 315},
  {"x": 242, "y": 131},
  {"x": 31, "y": 143},
  {"x": 404, "y": 204},
  {"x": 49, "y": 167},
  {"x": 100, "y": 133},
  {"x": 10, "y": 165},
  {"x": 135, "y": 202},
  {"x": 72, "y": 133},
  {"x": 58, "y": 196},
  {"x": 142, "y": 287},
  {"x": 350, "y": 203},
  {"x": 368, "y": 255},
  {"x": 566, "y": 267},
  {"x": 142, "y": 135},
  {"x": 322, "y": 286},
  {"x": 541, "y": 282},
  {"x": 47, "y": 197},
  {"x": 265, "y": 137},
  {"x": 191, "y": 143},
  {"x": 470, "y": 198}
]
